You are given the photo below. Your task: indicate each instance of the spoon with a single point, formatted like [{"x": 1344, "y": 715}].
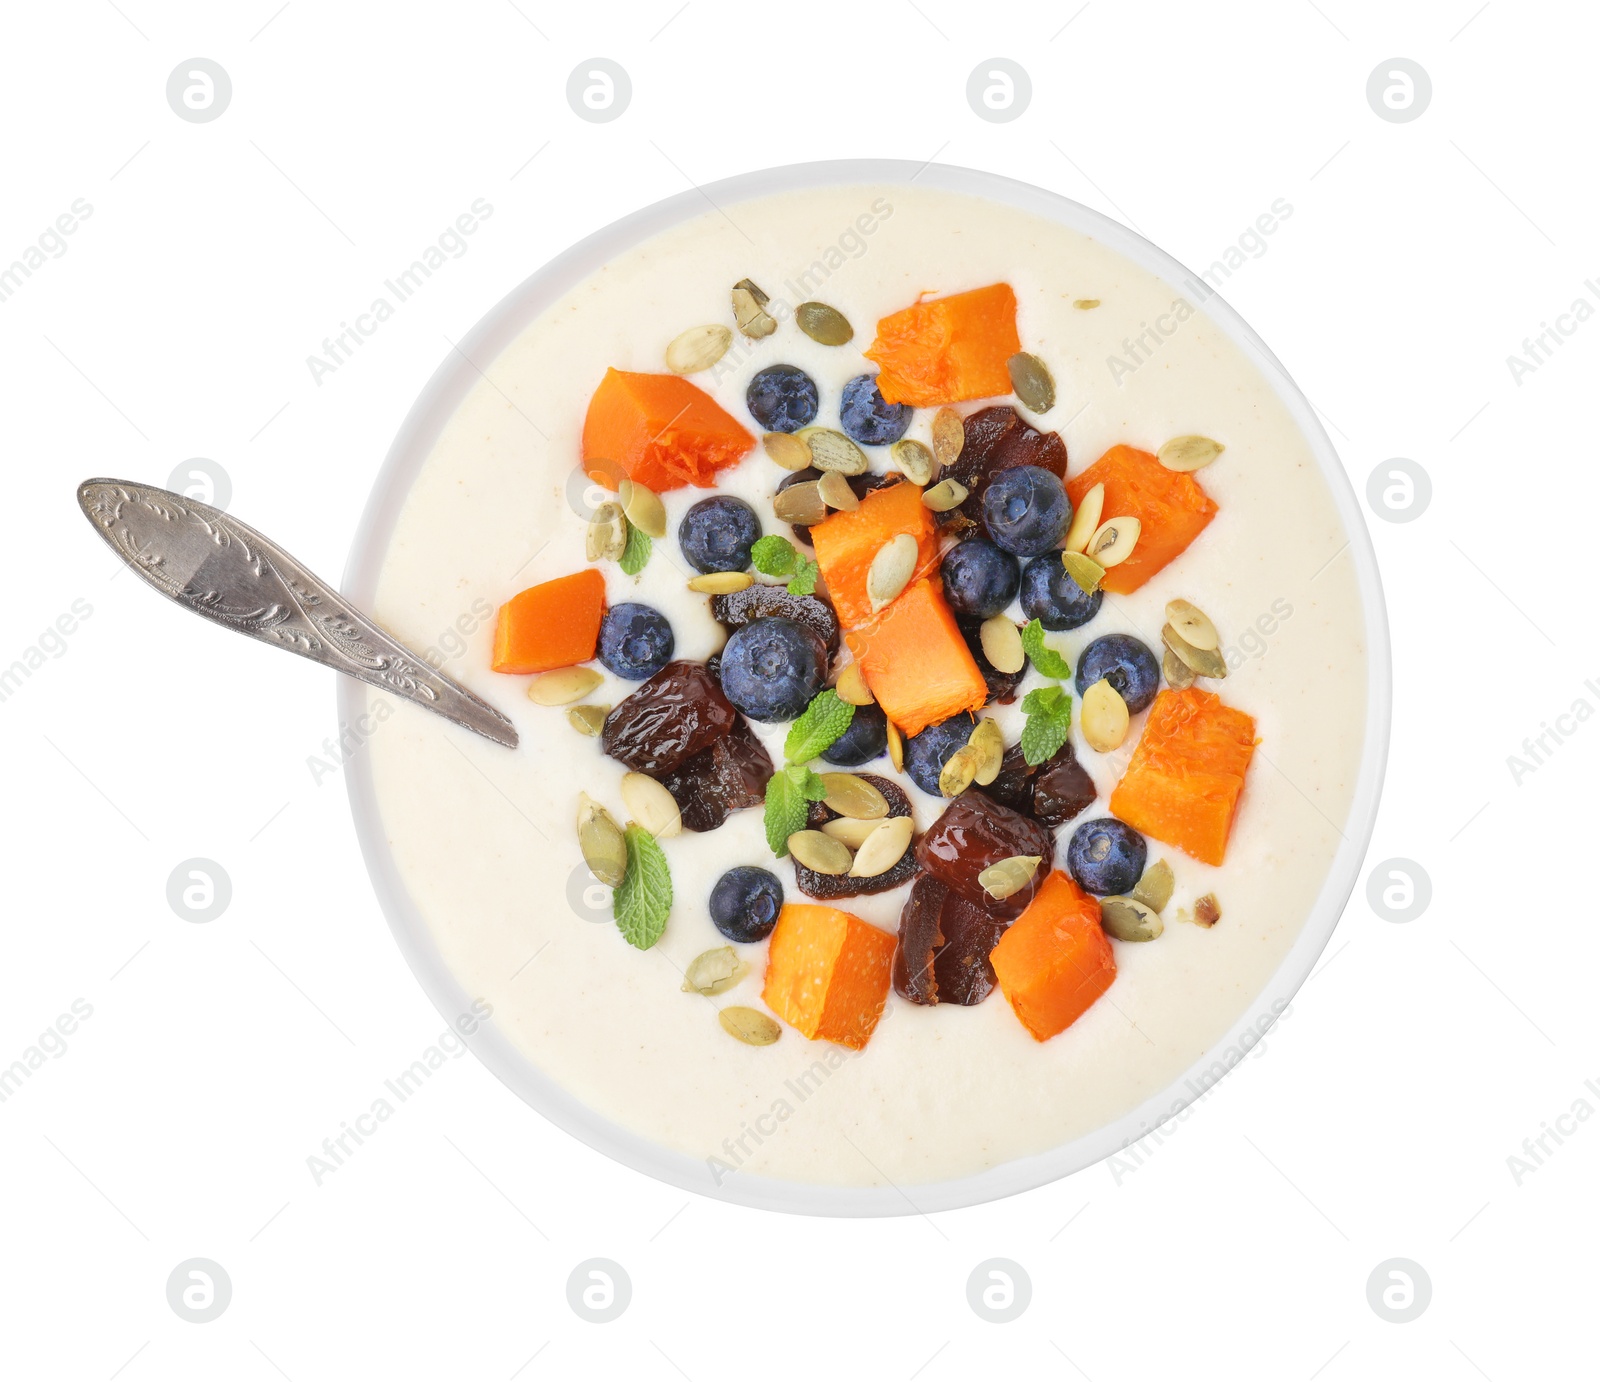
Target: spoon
[{"x": 220, "y": 569}]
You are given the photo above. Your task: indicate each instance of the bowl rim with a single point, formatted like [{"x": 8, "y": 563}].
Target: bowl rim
[{"x": 422, "y": 425}]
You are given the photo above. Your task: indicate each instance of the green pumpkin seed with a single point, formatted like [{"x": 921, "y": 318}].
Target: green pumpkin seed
[
  {"x": 1127, "y": 919},
  {"x": 1114, "y": 541},
  {"x": 1085, "y": 518},
  {"x": 1189, "y": 453},
  {"x": 787, "y": 450},
  {"x": 563, "y": 686},
  {"x": 714, "y": 971},
  {"x": 601, "y": 841},
  {"x": 944, "y": 496},
  {"x": 1104, "y": 717},
  {"x": 891, "y": 570},
  {"x": 1002, "y": 644},
  {"x": 750, "y": 313},
  {"x": 1009, "y": 876},
  {"x": 1178, "y": 673},
  {"x": 820, "y": 853},
  {"x": 825, "y": 325},
  {"x": 1203, "y": 662},
  {"x": 836, "y": 492},
  {"x": 802, "y": 504},
  {"x": 958, "y": 771},
  {"x": 1031, "y": 382},
  {"x": 607, "y": 538},
  {"x": 882, "y": 849},
  {"x": 988, "y": 739},
  {"x": 949, "y": 436},
  {"x": 698, "y": 349},
  {"x": 1191, "y": 624},
  {"x": 644, "y": 508},
  {"x": 588, "y": 719},
  {"x": 832, "y": 450},
  {"x": 721, "y": 582},
  {"x": 852, "y": 834},
  {"x": 916, "y": 462},
  {"x": 853, "y": 796},
  {"x": 897, "y": 746},
  {"x": 1154, "y": 887},
  {"x": 651, "y": 804},
  {"x": 852, "y": 686},
  {"x": 1086, "y": 571},
  {"x": 749, "y": 1026}
]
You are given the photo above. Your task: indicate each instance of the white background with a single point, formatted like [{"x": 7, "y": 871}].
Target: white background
[{"x": 1375, "y": 1122}]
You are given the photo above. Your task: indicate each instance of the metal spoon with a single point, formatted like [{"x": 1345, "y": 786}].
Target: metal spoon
[{"x": 217, "y": 567}]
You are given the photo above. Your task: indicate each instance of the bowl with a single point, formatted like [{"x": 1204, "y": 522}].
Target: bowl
[{"x": 417, "y": 435}]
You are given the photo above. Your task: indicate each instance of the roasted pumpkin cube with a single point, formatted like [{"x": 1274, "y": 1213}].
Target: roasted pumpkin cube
[
  {"x": 551, "y": 625},
  {"x": 915, "y": 661},
  {"x": 948, "y": 349},
  {"x": 846, "y": 542},
  {"x": 828, "y": 973},
  {"x": 659, "y": 430},
  {"x": 1054, "y": 960},
  {"x": 1171, "y": 508}
]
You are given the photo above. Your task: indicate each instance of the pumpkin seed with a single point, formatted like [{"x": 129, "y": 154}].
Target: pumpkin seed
[
  {"x": 721, "y": 582},
  {"x": 802, "y": 504},
  {"x": 1031, "y": 382},
  {"x": 897, "y": 746},
  {"x": 916, "y": 462},
  {"x": 832, "y": 450},
  {"x": 944, "y": 496},
  {"x": 607, "y": 538},
  {"x": 644, "y": 508},
  {"x": 1207, "y": 912},
  {"x": 1203, "y": 662},
  {"x": 1002, "y": 644},
  {"x": 990, "y": 743},
  {"x": 1189, "y": 453},
  {"x": 958, "y": 771},
  {"x": 749, "y": 1026},
  {"x": 563, "y": 686},
  {"x": 853, "y": 796},
  {"x": 698, "y": 348},
  {"x": 836, "y": 492},
  {"x": 1104, "y": 717},
  {"x": 820, "y": 853},
  {"x": 1113, "y": 541},
  {"x": 787, "y": 450},
  {"x": 852, "y": 686},
  {"x": 1086, "y": 304},
  {"x": 1085, "y": 519},
  {"x": 1178, "y": 673},
  {"x": 850, "y": 833},
  {"x": 715, "y": 971},
  {"x": 891, "y": 570},
  {"x": 1086, "y": 571},
  {"x": 1009, "y": 876},
  {"x": 651, "y": 805},
  {"x": 588, "y": 719},
  {"x": 883, "y": 849},
  {"x": 1154, "y": 888},
  {"x": 1192, "y": 626},
  {"x": 1127, "y": 919},
  {"x": 750, "y": 313},
  {"x": 825, "y": 325},
  {"x": 949, "y": 435},
  {"x": 600, "y": 839}
]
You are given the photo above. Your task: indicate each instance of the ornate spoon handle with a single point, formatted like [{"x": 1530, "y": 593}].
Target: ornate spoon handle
[{"x": 230, "y": 574}]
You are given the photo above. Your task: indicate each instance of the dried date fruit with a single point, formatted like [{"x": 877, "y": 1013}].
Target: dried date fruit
[
  {"x": 729, "y": 775},
  {"x": 774, "y": 601},
  {"x": 1014, "y": 786},
  {"x": 1062, "y": 788},
  {"x": 920, "y": 937},
  {"x": 974, "y": 832},
  {"x": 961, "y": 969},
  {"x": 1002, "y": 686},
  {"x": 827, "y": 887},
  {"x": 997, "y": 439},
  {"x": 668, "y": 720}
]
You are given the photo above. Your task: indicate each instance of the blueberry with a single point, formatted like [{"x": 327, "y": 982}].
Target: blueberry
[
  {"x": 1054, "y": 598},
  {"x": 718, "y": 533},
  {"x": 866, "y": 739},
  {"x": 745, "y": 903},
  {"x": 866, "y": 418},
  {"x": 979, "y": 578},
  {"x": 1126, "y": 663},
  {"x": 771, "y": 668},
  {"x": 1106, "y": 857},
  {"x": 928, "y": 752},
  {"x": 635, "y": 641},
  {"x": 782, "y": 398},
  {"x": 1026, "y": 510}
]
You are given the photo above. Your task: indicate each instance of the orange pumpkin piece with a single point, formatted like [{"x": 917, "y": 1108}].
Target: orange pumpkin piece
[
  {"x": 915, "y": 661},
  {"x": 948, "y": 349},
  {"x": 551, "y": 625},
  {"x": 828, "y": 973},
  {"x": 660, "y": 430},
  {"x": 846, "y": 542},
  {"x": 1183, "y": 782},
  {"x": 1171, "y": 508},
  {"x": 1054, "y": 960}
]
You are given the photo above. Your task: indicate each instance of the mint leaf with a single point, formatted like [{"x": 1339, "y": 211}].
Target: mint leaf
[
  {"x": 805, "y": 578},
  {"x": 1049, "y": 712},
  {"x": 785, "y": 811},
  {"x": 1042, "y": 700},
  {"x": 775, "y": 556},
  {"x": 820, "y": 723},
  {"x": 1048, "y": 661},
  {"x": 812, "y": 787},
  {"x": 641, "y": 904},
  {"x": 637, "y": 552}
]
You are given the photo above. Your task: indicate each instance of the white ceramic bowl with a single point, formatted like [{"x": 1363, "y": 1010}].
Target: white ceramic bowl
[{"x": 421, "y": 428}]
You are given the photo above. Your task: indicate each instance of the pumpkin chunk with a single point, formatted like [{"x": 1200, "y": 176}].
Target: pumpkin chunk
[
  {"x": 660, "y": 430},
  {"x": 1183, "y": 783},
  {"x": 828, "y": 973},
  {"x": 1054, "y": 961},
  {"x": 1171, "y": 508},
  {"x": 551, "y": 625},
  {"x": 948, "y": 349},
  {"x": 846, "y": 542},
  {"x": 915, "y": 661}
]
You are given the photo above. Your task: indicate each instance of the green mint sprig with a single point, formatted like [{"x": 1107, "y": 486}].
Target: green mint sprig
[
  {"x": 1047, "y": 661},
  {"x": 1049, "y": 712},
  {"x": 777, "y": 556},
  {"x": 794, "y": 786},
  {"x": 637, "y": 552},
  {"x": 641, "y": 903}
]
